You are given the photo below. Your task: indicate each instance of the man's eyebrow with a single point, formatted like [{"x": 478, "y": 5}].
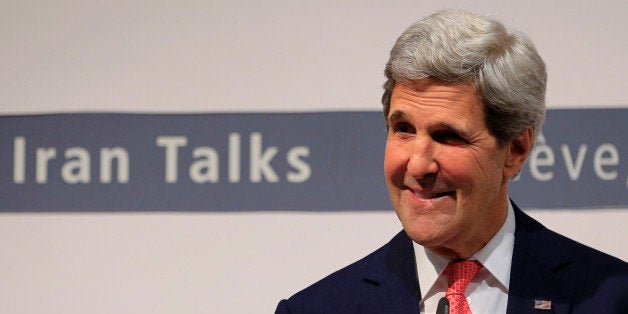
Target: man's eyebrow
[
  {"x": 392, "y": 117},
  {"x": 400, "y": 115},
  {"x": 395, "y": 115}
]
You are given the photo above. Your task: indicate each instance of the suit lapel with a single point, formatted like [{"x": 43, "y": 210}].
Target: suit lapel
[
  {"x": 540, "y": 269},
  {"x": 392, "y": 284}
]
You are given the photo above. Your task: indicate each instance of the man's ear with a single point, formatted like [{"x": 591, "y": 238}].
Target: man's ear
[{"x": 518, "y": 150}]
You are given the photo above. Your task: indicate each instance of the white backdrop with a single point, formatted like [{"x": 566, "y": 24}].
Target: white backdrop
[{"x": 227, "y": 56}]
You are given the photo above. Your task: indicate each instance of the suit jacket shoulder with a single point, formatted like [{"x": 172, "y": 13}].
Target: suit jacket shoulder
[
  {"x": 574, "y": 277},
  {"x": 385, "y": 281}
]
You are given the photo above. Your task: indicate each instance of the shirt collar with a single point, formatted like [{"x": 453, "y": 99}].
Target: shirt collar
[{"x": 495, "y": 256}]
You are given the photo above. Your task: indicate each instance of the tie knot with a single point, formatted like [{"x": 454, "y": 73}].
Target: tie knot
[{"x": 461, "y": 273}]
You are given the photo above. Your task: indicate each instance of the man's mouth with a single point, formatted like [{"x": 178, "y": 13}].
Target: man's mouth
[{"x": 432, "y": 195}]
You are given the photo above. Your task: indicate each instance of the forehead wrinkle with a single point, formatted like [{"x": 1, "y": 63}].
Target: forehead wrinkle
[
  {"x": 454, "y": 97},
  {"x": 438, "y": 96}
]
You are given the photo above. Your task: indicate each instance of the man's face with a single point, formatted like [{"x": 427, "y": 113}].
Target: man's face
[{"x": 446, "y": 176}]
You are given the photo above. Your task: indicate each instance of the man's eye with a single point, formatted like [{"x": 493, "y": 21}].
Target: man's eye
[
  {"x": 402, "y": 128},
  {"x": 449, "y": 138}
]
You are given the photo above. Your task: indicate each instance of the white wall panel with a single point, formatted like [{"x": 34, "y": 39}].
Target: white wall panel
[{"x": 269, "y": 56}]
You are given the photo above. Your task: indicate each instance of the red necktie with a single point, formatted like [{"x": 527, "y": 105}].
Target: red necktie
[{"x": 460, "y": 275}]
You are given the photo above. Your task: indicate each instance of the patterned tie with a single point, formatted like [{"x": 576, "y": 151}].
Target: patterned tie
[{"x": 460, "y": 275}]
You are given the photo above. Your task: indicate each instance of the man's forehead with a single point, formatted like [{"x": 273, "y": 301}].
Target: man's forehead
[
  {"x": 460, "y": 99},
  {"x": 434, "y": 90}
]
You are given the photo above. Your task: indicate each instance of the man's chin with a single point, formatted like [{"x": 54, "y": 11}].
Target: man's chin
[{"x": 427, "y": 238}]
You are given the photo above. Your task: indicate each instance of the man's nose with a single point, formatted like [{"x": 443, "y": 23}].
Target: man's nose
[{"x": 422, "y": 162}]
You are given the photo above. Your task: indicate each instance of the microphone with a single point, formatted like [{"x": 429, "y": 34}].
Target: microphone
[{"x": 443, "y": 306}]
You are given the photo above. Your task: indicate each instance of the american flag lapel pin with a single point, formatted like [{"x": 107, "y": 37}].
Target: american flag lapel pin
[{"x": 542, "y": 305}]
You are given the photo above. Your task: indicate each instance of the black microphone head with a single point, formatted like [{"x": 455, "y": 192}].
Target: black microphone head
[{"x": 443, "y": 306}]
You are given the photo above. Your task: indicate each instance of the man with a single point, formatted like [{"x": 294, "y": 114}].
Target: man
[{"x": 463, "y": 102}]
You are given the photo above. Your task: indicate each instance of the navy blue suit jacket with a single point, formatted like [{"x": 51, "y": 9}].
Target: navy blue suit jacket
[{"x": 545, "y": 266}]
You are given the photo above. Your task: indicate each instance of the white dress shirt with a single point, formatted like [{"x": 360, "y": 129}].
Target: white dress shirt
[{"x": 488, "y": 291}]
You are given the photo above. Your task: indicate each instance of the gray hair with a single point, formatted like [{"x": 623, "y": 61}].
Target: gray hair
[{"x": 454, "y": 46}]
